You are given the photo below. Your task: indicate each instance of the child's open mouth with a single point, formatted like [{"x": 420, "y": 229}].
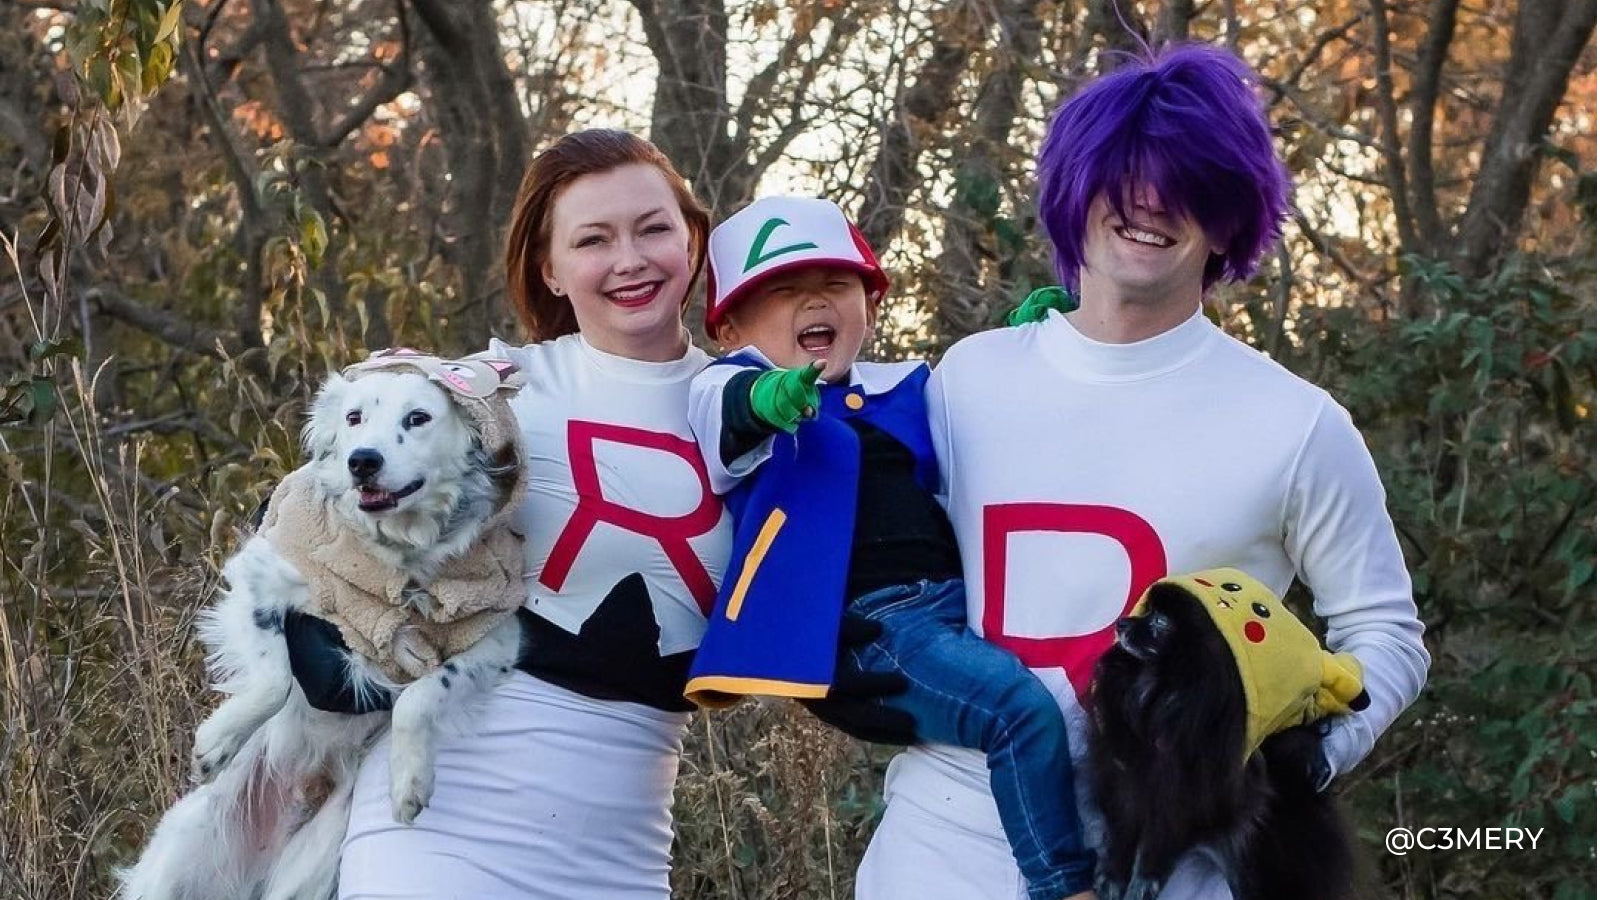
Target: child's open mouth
[{"x": 818, "y": 339}]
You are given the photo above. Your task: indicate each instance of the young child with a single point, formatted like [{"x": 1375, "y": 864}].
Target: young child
[{"x": 831, "y": 487}]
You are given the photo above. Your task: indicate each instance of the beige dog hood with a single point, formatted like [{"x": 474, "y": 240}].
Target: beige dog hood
[{"x": 366, "y": 598}]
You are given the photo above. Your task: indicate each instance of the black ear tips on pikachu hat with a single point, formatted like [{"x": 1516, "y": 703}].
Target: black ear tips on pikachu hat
[{"x": 1360, "y": 701}]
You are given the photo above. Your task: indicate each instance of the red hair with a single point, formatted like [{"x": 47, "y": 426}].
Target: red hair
[{"x": 543, "y": 315}]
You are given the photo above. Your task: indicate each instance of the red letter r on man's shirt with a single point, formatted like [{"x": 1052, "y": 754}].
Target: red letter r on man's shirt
[{"x": 1077, "y": 654}]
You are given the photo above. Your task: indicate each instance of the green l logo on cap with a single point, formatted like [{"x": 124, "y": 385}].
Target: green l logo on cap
[{"x": 757, "y": 257}]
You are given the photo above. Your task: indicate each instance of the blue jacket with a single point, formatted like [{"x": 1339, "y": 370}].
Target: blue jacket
[{"x": 775, "y": 626}]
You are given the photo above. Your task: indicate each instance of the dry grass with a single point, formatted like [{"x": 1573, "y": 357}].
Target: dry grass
[
  {"x": 771, "y": 805},
  {"x": 102, "y": 681}
]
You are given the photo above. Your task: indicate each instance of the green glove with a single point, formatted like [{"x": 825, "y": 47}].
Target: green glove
[
  {"x": 783, "y": 397},
  {"x": 1038, "y": 304}
]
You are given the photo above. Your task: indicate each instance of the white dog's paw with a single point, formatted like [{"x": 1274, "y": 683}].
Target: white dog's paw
[
  {"x": 410, "y": 789},
  {"x": 215, "y": 745},
  {"x": 412, "y": 652}
]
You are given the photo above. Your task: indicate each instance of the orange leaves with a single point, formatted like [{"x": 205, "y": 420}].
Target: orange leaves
[
  {"x": 380, "y": 138},
  {"x": 379, "y": 135},
  {"x": 386, "y": 51},
  {"x": 254, "y": 117}
]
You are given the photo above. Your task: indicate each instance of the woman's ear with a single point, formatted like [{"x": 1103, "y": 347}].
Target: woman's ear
[
  {"x": 549, "y": 277},
  {"x": 321, "y": 433}
]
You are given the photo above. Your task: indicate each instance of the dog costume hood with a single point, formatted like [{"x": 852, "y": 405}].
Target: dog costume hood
[
  {"x": 366, "y": 597},
  {"x": 1288, "y": 678}
]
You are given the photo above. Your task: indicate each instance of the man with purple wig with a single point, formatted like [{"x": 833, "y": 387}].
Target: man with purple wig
[{"x": 1089, "y": 454}]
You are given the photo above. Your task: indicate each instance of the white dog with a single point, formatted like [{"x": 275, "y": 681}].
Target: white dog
[{"x": 403, "y": 470}]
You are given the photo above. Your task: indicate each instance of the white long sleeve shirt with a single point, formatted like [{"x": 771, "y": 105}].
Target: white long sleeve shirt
[
  {"x": 1076, "y": 472},
  {"x": 616, "y": 486}
]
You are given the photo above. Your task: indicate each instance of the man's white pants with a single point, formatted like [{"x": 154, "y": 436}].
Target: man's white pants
[{"x": 940, "y": 838}]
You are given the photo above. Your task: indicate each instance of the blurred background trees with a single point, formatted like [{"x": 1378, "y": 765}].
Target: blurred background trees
[{"x": 207, "y": 205}]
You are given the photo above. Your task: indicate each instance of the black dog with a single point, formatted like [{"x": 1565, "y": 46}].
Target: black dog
[{"x": 1168, "y": 726}]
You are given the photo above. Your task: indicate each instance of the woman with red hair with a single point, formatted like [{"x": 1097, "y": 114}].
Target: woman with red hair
[{"x": 564, "y": 787}]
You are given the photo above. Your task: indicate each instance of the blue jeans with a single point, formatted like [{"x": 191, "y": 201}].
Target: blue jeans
[{"x": 966, "y": 691}]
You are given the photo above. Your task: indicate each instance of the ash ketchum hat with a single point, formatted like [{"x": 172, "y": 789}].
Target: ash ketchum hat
[{"x": 778, "y": 234}]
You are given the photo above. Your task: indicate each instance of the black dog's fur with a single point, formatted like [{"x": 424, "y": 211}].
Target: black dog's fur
[{"x": 1167, "y": 734}]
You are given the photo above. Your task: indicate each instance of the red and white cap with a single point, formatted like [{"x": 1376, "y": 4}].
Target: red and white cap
[{"x": 779, "y": 234}]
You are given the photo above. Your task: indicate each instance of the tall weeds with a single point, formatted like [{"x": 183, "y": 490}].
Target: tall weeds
[{"x": 101, "y": 683}]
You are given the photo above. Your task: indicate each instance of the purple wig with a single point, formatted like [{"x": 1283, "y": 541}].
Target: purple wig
[{"x": 1189, "y": 125}]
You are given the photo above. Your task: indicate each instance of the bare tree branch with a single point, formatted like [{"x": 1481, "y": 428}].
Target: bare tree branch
[
  {"x": 1325, "y": 247},
  {"x": 758, "y": 92},
  {"x": 473, "y": 100},
  {"x": 1352, "y": 177},
  {"x": 211, "y": 13},
  {"x": 1312, "y": 117},
  {"x": 283, "y": 57},
  {"x": 1231, "y": 30},
  {"x": 1309, "y": 58},
  {"x": 1123, "y": 34},
  {"x": 692, "y": 121},
  {"x": 250, "y": 235},
  {"x": 437, "y": 18},
  {"x": 894, "y": 169},
  {"x": 1389, "y": 138},
  {"x": 794, "y": 122},
  {"x": 1431, "y": 56},
  {"x": 1172, "y": 22},
  {"x": 1281, "y": 294},
  {"x": 396, "y": 80},
  {"x": 179, "y": 331},
  {"x": 222, "y": 65},
  {"x": 1548, "y": 38},
  {"x": 689, "y": 119},
  {"x": 21, "y": 127},
  {"x": 969, "y": 300},
  {"x": 283, "y": 60}
]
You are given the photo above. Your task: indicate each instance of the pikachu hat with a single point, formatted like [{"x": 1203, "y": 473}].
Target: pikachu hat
[{"x": 1288, "y": 678}]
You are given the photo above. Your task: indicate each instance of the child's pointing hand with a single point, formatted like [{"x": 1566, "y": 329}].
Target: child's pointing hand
[{"x": 784, "y": 397}]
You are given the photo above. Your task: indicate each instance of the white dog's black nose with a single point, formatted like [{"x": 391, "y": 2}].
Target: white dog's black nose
[{"x": 365, "y": 463}]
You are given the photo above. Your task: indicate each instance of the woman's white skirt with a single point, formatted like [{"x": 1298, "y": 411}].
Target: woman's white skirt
[{"x": 555, "y": 796}]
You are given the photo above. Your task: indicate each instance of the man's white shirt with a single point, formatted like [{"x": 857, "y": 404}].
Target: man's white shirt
[{"x": 1076, "y": 472}]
